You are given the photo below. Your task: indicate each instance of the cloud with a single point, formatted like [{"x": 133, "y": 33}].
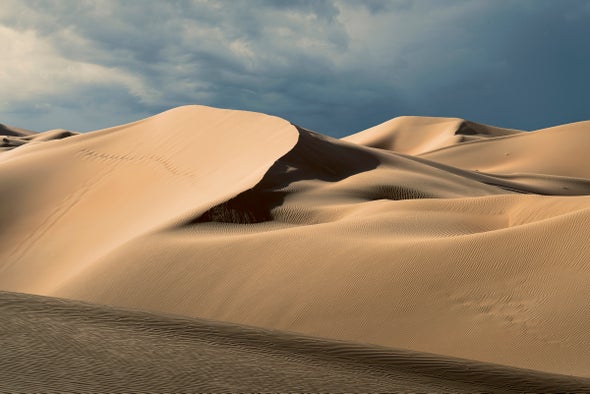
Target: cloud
[{"x": 334, "y": 66}]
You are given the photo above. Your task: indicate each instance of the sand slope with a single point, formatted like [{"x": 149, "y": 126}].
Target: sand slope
[
  {"x": 419, "y": 134},
  {"x": 546, "y": 161},
  {"x": 54, "y": 345},
  {"x": 10, "y": 131},
  {"x": 420, "y": 233},
  {"x": 74, "y": 199}
]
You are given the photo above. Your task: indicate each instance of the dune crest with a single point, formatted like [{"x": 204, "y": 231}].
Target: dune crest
[
  {"x": 436, "y": 235},
  {"x": 419, "y": 134},
  {"x": 93, "y": 192}
]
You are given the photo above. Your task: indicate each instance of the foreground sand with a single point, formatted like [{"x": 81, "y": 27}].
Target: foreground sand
[
  {"x": 429, "y": 234},
  {"x": 100, "y": 349}
]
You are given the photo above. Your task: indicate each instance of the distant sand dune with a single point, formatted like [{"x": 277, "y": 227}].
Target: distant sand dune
[
  {"x": 436, "y": 235},
  {"x": 417, "y": 134},
  {"x": 554, "y": 151},
  {"x": 6, "y": 130}
]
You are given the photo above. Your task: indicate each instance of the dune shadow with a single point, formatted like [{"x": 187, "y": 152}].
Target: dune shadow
[{"x": 314, "y": 156}]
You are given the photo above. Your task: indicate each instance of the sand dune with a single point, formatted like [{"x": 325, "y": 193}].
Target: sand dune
[
  {"x": 108, "y": 187},
  {"x": 13, "y": 137},
  {"x": 95, "y": 348},
  {"x": 6, "y": 130},
  {"x": 435, "y": 235},
  {"x": 551, "y": 152},
  {"x": 416, "y": 134}
]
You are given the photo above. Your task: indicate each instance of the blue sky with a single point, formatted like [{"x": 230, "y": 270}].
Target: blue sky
[{"x": 336, "y": 67}]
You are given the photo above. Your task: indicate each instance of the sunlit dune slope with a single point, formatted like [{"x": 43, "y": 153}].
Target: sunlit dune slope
[
  {"x": 72, "y": 200},
  {"x": 556, "y": 151},
  {"x": 385, "y": 237},
  {"x": 548, "y": 161},
  {"x": 418, "y": 134}
]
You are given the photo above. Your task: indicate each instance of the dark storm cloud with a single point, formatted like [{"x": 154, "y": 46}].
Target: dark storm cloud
[{"x": 333, "y": 66}]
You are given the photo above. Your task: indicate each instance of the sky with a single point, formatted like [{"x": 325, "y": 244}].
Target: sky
[{"x": 333, "y": 66}]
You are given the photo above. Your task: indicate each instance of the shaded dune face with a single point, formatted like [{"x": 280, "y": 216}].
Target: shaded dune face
[
  {"x": 326, "y": 162},
  {"x": 314, "y": 157},
  {"x": 436, "y": 235},
  {"x": 13, "y": 131}
]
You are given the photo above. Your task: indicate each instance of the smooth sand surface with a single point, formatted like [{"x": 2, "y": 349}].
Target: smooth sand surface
[
  {"x": 419, "y": 134},
  {"x": 434, "y": 235}
]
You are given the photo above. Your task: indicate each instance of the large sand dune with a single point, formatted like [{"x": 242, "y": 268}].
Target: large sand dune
[{"x": 434, "y": 235}]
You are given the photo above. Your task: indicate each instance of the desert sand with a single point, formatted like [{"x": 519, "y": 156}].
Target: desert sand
[
  {"x": 408, "y": 255},
  {"x": 102, "y": 349}
]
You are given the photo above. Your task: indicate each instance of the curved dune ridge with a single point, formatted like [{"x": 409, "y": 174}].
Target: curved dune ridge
[{"x": 435, "y": 235}]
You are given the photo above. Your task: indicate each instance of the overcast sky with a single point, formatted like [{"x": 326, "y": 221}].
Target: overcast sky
[{"x": 332, "y": 66}]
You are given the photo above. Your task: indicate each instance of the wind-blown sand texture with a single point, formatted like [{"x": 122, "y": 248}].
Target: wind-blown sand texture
[
  {"x": 435, "y": 235},
  {"x": 105, "y": 349}
]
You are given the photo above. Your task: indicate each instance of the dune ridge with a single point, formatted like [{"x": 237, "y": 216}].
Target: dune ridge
[
  {"x": 436, "y": 235},
  {"x": 165, "y": 164},
  {"x": 416, "y": 135}
]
